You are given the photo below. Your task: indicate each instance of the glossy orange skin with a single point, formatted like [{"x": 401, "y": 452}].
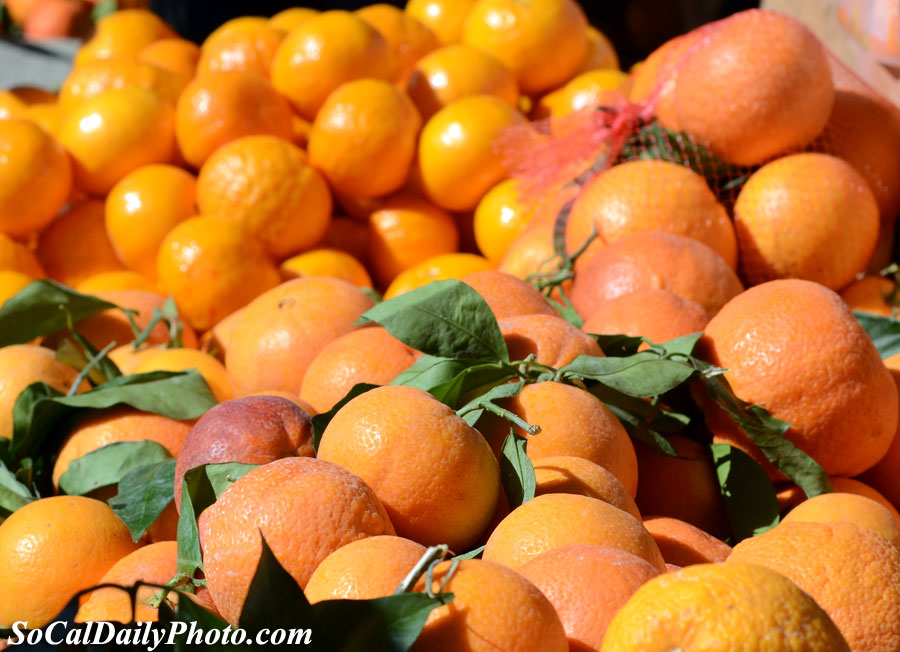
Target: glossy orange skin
[
  {"x": 248, "y": 43},
  {"x": 174, "y": 54},
  {"x": 18, "y": 257},
  {"x": 601, "y": 54},
  {"x": 589, "y": 89},
  {"x": 123, "y": 279},
  {"x": 95, "y": 77},
  {"x": 184, "y": 359},
  {"x": 291, "y": 18},
  {"x": 124, "y": 34},
  {"x": 326, "y": 262},
  {"x": 436, "y": 268},
  {"x": 408, "y": 38},
  {"x": 445, "y": 17},
  {"x": 500, "y": 217}
]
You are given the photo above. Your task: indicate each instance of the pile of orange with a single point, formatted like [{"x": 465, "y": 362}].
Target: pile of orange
[{"x": 274, "y": 179}]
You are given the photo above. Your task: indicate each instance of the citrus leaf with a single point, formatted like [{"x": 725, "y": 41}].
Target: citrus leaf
[
  {"x": 516, "y": 471},
  {"x": 447, "y": 319},
  {"x": 641, "y": 375},
  {"x": 884, "y": 331},
  {"x": 13, "y": 494},
  {"x": 642, "y": 420},
  {"x": 618, "y": 346},
  {"x": 750, "y": 500},
  {"x": 143, "y": 494},
  {"x": 190, "y": 612},
  {"x": 320, "y": 421},
  {"x": 274, "y": 599},
  {"x": 109, "y": 464},
  {"x": 473, "y": 410},
  {"x": 472, "y": 554},
  {"x": 189, "y": 556},
  {"x": 429, "y": 372},
  {"x": 472, "y": 380},
  {"x": 683, "y": 345}
]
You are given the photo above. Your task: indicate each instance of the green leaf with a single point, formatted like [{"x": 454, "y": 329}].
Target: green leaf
[
  {"x": 641, "y": 375},
  {"x": 144, "y": 493},
  {"x": 13, "y": 494},
  {"x": 643, "y": 421},
  {"x": 473, "y": 410},
  {"x": 884, "y": 331},
  {"x": 40, "y": 309},
  {"x": 516, "y": 471},
  {"x": 618, "y": 346},
  {"x": 750, "y": 500},
  {"x": 429, "y": 371},
  {"x": 224, "y": 474},
  {"x": 103, "y": 8},
  {"x": 320, "y": 421},
  {"x": 109, "y": 464},
  {"x": 474, "y": 380},
  {"x": 447, "y": 319},
  {"x": 683, "y": 345},
  {"x": 372, "y": 294},
  {"x": 190, "y": 612},
  {"x": 274, "y": 599},
  {"x": 472, "y": 554}
]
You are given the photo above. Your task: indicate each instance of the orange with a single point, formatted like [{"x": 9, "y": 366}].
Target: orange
[
  {"x": 46, "y": 116},
  {"x": 212, "y": 370},
  {"x": 368, "y": 355},
  {"x": 457, "y": 71},
  {"x": 650, "y": 196},
  {"x": 552, "y": 340},
  {"x": 829, "y": 385},
  {"x": 445, "y": 17},
  {"x": 348, "y": 235},
  {"x": 22, "y": 365},
  {"x": 520, "y": 35},
  {"x": 18, "y": 9},
  {"x": 408, "y": 38},
  {"x": 252, "y": 430},
  {"x": 215, "y": 340},
  {"x": 601, "y": 55},
  {"x": 853, "y": 486},
  {"x": 35, "y": 178},
  {"x": 154, "y": 564},
  {"x": 212, "y": 267},
  {"x": 11, "y": 283},
  {"x": 574, "y": 423},
  {"x": 95, "y": 77},
  {"x": 847, "y": 508},
  {"x": 99, "y": 428},
  {"x": 565, "y": 474},
  {"x": 405, "y": 231},
  {"x": 290, "y": 19},
  {"x": 758, "y": 84},
  {"x": 283, "y": 330},
  {"x": 789, "y": 220},
  {"x": 587, "y": 585},
  {"x": 555, "y": 520},
  {"x": 493, "y": 609},
  {"x": 266, "y": 184},
  {"x": 325, "y": 52},
  {"x": 142, "y": 208},
  {"x": 870, "y": 294},
  {"x": 51, "y": 549},
  {"x": 683, "y": 544},
  {"x": 657, "y": 315},
  {"x": 247, "y": 44},
  {"x": 448, "y": 495},
  {"x": 220, "y": 107},
  {"x": 326, "y": 262},
  {"x": 588, "y": 90},
  {"x": 113, "y": 281},
  {"x": 114, "y": 133},
  {"x": 14, "y": 101},
  {"x": 176, "y": 55},
  {"x": 457, "y": 160},
  {"x": 290, "y": 396},
  {"x": 124, "y": 33},
  {"x": 530, "y": 253},
  {"x": 507, "y": 295},
  {"x": 882, "y": 476},
  {"x": 734, "y": 607},
  {"x": 364, "y": 138},
  {"x": 17, "y": 257},
  {"x": 655, "y": 260},
  {"x": 853, "y": 573},
  {"x": 500, "y": 217},
  {"x": 304, "y": 507},
  {"x": 436, "y": 268},
  {"x": 75, "y": 245},
  {"x": 364, "y": 569}
]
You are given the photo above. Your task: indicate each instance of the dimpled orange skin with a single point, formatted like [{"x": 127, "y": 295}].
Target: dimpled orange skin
[
  {"x": 507, "y": 295},
  {"x": 219, "y": 107},
  {"x": 722, "y": 608},
  {"x": 790, "y": 221},
  {"x": 655, "y": 260},
  {"x": 326, "y": 262},
  {"x": 408, "y": 38},
  {"x": 650, "y": 196},
  {"x": 96, "y": 77},
  {"x": 830, "y": 384},
  {"x": 449, "y": 491},
  {"x": 212, "y": 267},
  {"x": 177, "y": 55},
  {"x": 266, "y": 184},
  {"x": 142, "y": 208},
  {"x": 556, "y": 520},
  {"x": 445, "y": 17},
  {"x": 847, "y": 508},
  {"x": 587, "y": 585},
  {"x": 101, "y": 427},
  {"x": 565, "y": 474},
  {"x": 124, "y": 34},
  {"x": 457, "y": 71},
  {"x": 683, "y": 544},
  {"x": 283, "y": 330},
  {"x": 493, "y": 609},
  {"x": 22, "y": 365},
  {"x": 553, "y": 340},
  {"x": 248, "y": 43},
  {"x": 305, "y": 508},
  {"x": 325, "y": 52},
  {"x": 853, "y": 573},
  {"x": 154, "y": 564},
  {"x": 364, "y": 569},
  {"x": 658, "y": 315},
  {"x": 368, "y": 355},
  {"x": 35, "y": 177},
  {"x": 500, "y": 217},
  {"x": 457, "y": 160},
  {"x": 436, "y": 268},
  {"x": 406, "y": 231},
  {"x": 51, "y": 549},
  {"x": 114, "y": 133},
  {"x": 364, "y": 138},
  {"x": 520, "y": 35}
]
